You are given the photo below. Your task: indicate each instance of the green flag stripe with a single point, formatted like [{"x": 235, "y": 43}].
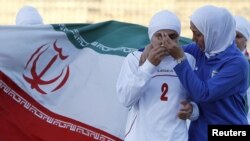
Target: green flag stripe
[{"x": 110, "y": 37}]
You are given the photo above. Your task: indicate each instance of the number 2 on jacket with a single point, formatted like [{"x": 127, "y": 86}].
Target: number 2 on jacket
[{"x": 164, "y": 89}]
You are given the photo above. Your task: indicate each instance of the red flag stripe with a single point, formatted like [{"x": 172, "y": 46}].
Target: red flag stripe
[{"x": 22, "y": 119}]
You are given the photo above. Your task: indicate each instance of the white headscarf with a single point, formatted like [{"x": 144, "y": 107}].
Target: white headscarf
[
  {"x": 242, "y": 26},
  {"x": 217, "y": 26},
  {"x": 28, "y": 15},
  {"x": 164, "y": 20}
]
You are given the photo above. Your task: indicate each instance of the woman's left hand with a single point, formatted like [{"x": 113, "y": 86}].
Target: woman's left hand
[{"x": 186, "y": 110}]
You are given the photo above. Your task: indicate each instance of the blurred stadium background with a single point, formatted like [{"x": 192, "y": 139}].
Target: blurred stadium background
[{"x": 133, "y": 11}]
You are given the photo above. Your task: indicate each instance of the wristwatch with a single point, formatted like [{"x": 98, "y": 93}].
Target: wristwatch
[{"x": 180, "y": 60}]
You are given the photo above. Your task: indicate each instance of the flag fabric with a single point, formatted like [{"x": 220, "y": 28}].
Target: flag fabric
[{"x": 57, "y": 82}]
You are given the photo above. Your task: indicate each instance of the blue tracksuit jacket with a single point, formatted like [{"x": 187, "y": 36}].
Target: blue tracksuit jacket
[{"x": 218, "y": 85}]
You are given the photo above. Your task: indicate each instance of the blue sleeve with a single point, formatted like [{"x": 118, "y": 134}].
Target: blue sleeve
[
  {"x": 191, "y": 49},
  {"x": 221, "y": 85},
  {"x": 141, "y": 49}
]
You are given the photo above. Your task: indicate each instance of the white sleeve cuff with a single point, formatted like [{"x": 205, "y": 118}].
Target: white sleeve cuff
[
  {"x": 195, "y": 114},
  {"x": 148, "y": 67}
]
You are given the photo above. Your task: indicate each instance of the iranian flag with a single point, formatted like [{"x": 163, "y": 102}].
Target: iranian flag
[{"x": 58, "y": 82}]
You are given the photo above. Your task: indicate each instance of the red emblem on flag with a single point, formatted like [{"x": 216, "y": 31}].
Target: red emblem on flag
[{"x": 36, "y": 80}]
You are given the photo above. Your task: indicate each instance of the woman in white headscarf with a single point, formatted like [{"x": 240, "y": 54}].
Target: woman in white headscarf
[
  {"x": 152, "y": 91},
  {"x": 28, "y": 15},
  {"x": 242, "y": 36},
  {"x": 219, "y": 83}
]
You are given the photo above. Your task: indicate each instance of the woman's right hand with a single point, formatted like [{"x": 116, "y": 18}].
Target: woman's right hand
[{"x": 154, "y": 54}]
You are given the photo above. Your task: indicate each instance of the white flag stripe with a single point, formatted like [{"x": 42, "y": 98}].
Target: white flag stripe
[{"x": 75, "y": 83}]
